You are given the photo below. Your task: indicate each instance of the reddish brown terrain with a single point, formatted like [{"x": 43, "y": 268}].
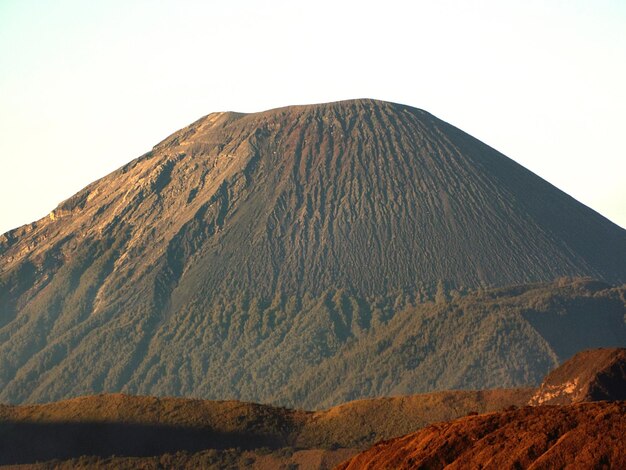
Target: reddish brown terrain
[
  {"x": 584, "y": 435},
  {"x": 122, "y": 431},
  {"x": 573, "y": 434},
  {"x": 148, "y": 432},
  {"x": 594, "y": 375}
]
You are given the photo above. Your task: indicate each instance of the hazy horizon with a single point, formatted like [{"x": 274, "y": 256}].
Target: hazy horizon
[{"x": 88, "y": 87}]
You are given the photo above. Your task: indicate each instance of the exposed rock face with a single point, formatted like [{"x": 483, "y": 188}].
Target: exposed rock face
[
  {"x": 248, "y": 249},
  {"x": 586, "y": 435},
  {"x": 594, "y": 375}
]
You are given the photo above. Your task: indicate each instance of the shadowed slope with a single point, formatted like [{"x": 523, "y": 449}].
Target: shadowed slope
[
  {"x": 130, "y": 426},
  {"x": 297, "y": 229}
]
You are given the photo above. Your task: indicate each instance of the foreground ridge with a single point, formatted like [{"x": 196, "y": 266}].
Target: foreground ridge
[
  {"x": 151, "y": 432},
  {"x": 585, "y": 435}
]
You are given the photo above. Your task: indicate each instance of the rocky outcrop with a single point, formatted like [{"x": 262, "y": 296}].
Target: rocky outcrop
[{"x": 592, "y": 375}]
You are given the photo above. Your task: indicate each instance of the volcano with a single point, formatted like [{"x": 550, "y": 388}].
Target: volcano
[{"x": 246, "y": 251}]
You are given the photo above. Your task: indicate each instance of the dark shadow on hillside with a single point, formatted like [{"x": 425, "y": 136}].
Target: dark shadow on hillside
[
  {"x": 587, "y": 323},
  {"x": 23, "y": 442}
]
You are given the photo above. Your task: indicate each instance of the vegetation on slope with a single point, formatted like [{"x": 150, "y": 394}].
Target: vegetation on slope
[
  {"x": 318, "y": 352},
  {"x": 149, "y": 431},
  {"x": 494, "y": 338}
]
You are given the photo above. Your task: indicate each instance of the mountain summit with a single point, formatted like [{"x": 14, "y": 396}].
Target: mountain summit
[{"x": 212, "y": 246}]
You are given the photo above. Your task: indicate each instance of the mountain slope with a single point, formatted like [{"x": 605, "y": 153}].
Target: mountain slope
[
  {"x": 585, "y": 435},
  {"x": 496, "y": 338},
  {"x": 298, "y": 230},
  {"x": 129, "y": 426},
  {"x": 593, "y": 375}
]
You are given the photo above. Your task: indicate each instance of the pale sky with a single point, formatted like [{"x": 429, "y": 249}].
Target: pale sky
[{"x": 87, "y": 86}]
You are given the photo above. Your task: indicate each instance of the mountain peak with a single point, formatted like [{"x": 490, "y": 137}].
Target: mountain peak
[
  {"x": 331, "y": 217},
  {"x": 364, "y": 194}
]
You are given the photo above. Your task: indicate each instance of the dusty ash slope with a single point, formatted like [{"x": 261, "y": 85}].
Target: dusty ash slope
[{"x": 248, "y": 248}]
